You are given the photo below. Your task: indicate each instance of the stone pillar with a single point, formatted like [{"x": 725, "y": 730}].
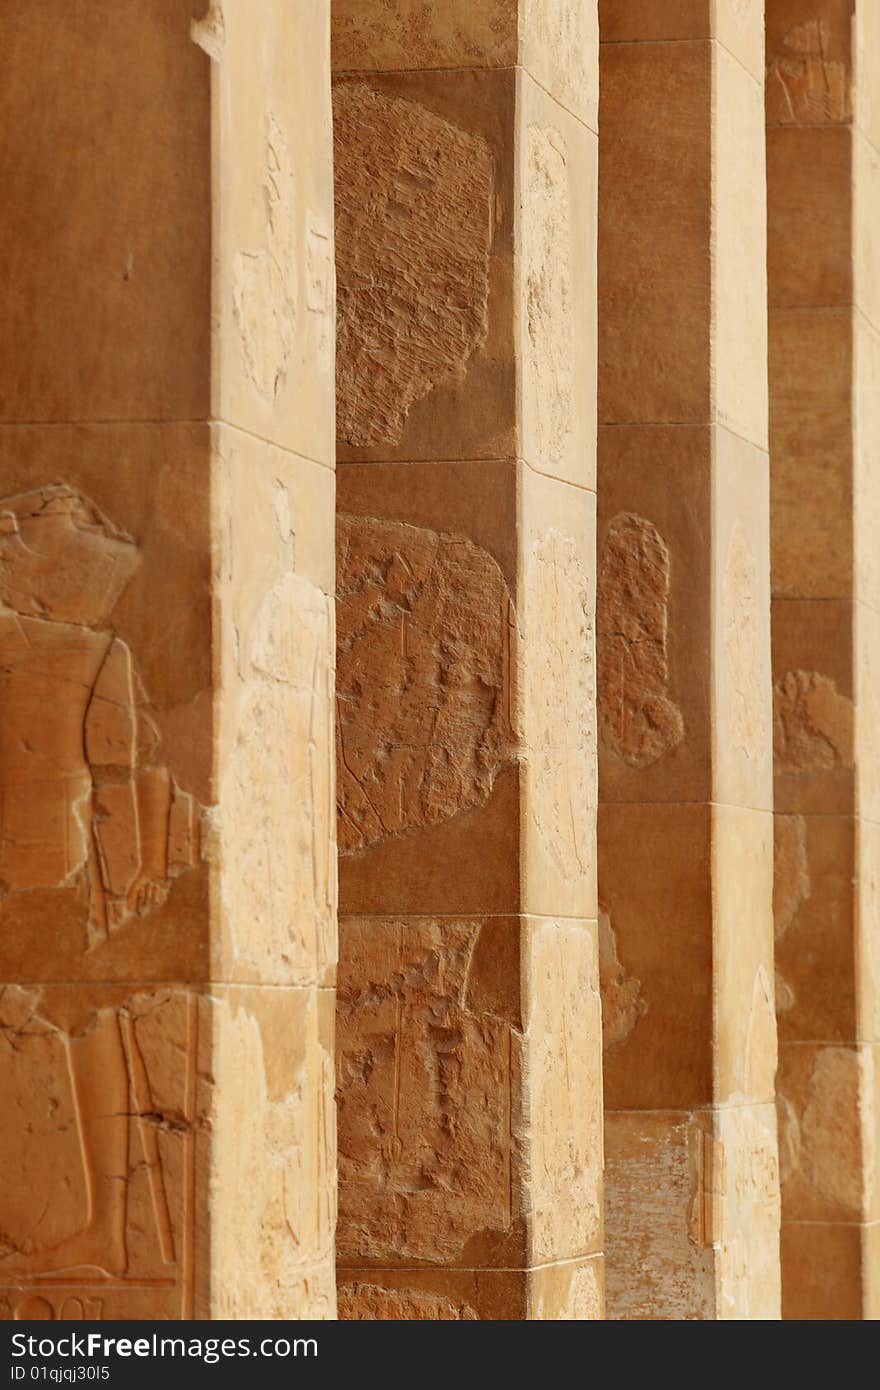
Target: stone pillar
[
  {"x": 166, "y": 451},
  {"x": 469, "y": 1066},
  {"x": 823, "y": 169},
  {"x": 685, "y": 814}
]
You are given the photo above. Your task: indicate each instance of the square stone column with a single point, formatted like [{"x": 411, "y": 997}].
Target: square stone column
[
  {"x": 685, "y": 814},
  {"x": 166, "y": 571},
  {"x": 469, "y": 1062},
  {"x": 823, "y": 168}
]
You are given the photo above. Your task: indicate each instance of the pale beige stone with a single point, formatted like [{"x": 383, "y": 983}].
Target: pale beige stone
[{"x": 739, "y": 237}]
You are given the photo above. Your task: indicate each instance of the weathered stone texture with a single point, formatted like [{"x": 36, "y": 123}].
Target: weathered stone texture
[
  {"x": 423, "y": 678},
  {"x": 414, "y": 194},
  {"x": 166, "y": 632},
  {"x": 469, "y": 1036},
  {"x": 684, "y": 683},
  {"x": 637, "y": 720},
  {"x": 822, "y": 67}
]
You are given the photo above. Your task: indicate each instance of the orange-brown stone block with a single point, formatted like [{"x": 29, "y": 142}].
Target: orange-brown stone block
[
  {"x": 468, "y": 1052},
  {"x": 823, "y": 62},
  {"x": 685, "y": 720},
  {"x": 167, "y": 858}
]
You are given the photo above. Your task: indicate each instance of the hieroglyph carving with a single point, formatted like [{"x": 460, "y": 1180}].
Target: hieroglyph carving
[
  {"x": 414, "y": 196},
  {"x": 422, "y": 683},
  {"x": 264, "y": 285},
  {"x": 812, "y": 724},
  {"x": 96, "y": 1153},
  {"x": 637, "y": 719},
  {"x": 82, "y": 790},
  {"x": 804, "y": 85},
  {"x": 424, "y": 1095}
]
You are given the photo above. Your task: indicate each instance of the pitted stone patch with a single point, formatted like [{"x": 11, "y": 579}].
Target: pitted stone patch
[
  {"x": 812, "y": 724},
  {"x": 414, "y": 197},
  {"x": 426, "y": 1140},
  {"x": 372, "y": 1303},
  {"x": 422, "y": 678},
  {"x": 637, "y": 719}
]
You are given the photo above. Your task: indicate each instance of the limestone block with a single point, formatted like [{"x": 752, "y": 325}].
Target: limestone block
[
  {"x": 273, "y": 1153},
  {"x": 742, "y": 958},
  {"x": 741, "y": 699},
  {"x": 654, "y": 593},
  {"x": 809, "y": 215},
  {"x": 814, "y": 915},
  {"x": 813, "y": 709},
  {"x": 809, "y": 62},
  {"x": 457, "y": 790},
  {"x": 114, "y": 1186},
  {"x": 274, "y": 222},
  {"x": 735, "y": 23},
  {"x": 274, "y": 584},
  {"x": 429, "y": 1110},
  {"x": 383, "y": 35},
  {"x": 866, "y": 42},
  {"x": 867, "y": 943},
  {"x": 827, "y": 1103},
  {"x": 85, "y": 564},
  {"x": 654, "y": 233},
  {"x": 866, "y": 491},
  {"x": 692, "y": 1204},
  {"x": 811, "y": 448},
  {"x": 556, "y": 670},
  {"x": 424, "y": 204},
  {"x": 867, "y": 711},
  {"x": 657, "y": 897},
  {"x": 167, "y": 630},
  {"x": 555, "y": 234},
  {"x": 822, "y": 1271},
  {"x": 554, "y": 40},
  {"x": 660, "y": 1212},
  {"x": 739, "y": 234},
  {"x": 96, "y": 258},
  {"x": 747, "y": 1277}
]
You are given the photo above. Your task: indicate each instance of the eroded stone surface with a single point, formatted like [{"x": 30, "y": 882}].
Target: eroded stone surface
[
  {"x": 637, "y": 719},
  {"x": 273, "y": 1155},
  {"x": 562, "y": 1090},
  {"x": 422, "y": 681},
  {"x": 424, "y": 1095},
  {"x": 559, "y": 703},
  {"x": 83, "y": 793},
  {"x": 264, "y": 278},
  {"x": 791, "y": 870},
  {"x": 413, "y": 230},
  {"x": 831, "y": 1127},
  {"x": 371, "y": 1303},
  {"x": 805, "y": 85},
  {"x": 287, "y": 885},
  {"x": 622, "y": 1002},
  {"x": 100, "y": 1094},
  {"x": 812, "y": 724}
]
